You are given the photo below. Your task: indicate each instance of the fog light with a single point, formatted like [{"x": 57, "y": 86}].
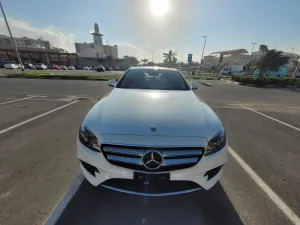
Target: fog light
[{"x": 213, "y": 172}]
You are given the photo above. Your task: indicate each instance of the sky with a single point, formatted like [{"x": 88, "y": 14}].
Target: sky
[{"x": 140, "y": 27}]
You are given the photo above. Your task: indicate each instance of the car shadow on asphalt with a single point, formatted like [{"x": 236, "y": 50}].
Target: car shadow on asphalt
[{"x": 98, "y": 206}]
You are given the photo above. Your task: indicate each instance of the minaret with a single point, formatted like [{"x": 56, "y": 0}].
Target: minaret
[{"x": 96, "y": 35}]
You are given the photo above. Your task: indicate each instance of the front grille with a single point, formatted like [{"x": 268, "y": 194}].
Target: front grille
[{"x": 174, "y": 158}]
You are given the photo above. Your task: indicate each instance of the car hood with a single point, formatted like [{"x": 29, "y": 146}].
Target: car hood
[{"x": 152, "y": 112}]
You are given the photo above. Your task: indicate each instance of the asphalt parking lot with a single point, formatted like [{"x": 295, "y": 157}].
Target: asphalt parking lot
[{"x": 38, "y": 127}]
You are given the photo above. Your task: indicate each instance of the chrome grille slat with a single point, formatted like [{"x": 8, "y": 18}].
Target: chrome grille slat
[
  {"x": 136, "y": 161},
  {"x": 125, "y": 151},
  {"x": 173, "y": 157},
  {"x": 170, "y": 162},
  {"x": 181, "y": 153}
]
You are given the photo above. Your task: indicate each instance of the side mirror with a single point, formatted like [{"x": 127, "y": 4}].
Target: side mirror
[
  {"x": 194, "y": 85},
  {"x": 111, "y": 82}
]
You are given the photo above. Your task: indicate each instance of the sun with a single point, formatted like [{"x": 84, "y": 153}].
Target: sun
[{"x": 159, "y": 8}]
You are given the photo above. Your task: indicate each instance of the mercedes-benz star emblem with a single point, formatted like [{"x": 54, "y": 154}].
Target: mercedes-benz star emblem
[
  {"x": 152, "y": 160},
  {"x": 153, "y": 128}
]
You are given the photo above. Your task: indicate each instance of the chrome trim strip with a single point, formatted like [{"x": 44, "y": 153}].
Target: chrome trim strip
[
  {"x": 171, "y": 162},
  {"x": 162, "y": 147},
  {"x": 125, "y": 151},
  {"x": 124, "y": 159},
  {"x": 181, "y": 152},
  {"x": 151, "y": 195}
]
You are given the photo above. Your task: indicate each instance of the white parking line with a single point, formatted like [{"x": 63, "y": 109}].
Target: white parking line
[
  {"x": 17, "y": 100},
  {"x": 272, "y": 195},
  {"x": 64, "y": 201},
  {"x": 34, "y": 118},
  {"x": 271, "y": 118}
]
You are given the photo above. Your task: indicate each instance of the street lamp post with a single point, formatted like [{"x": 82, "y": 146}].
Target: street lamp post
[
  {"x": 11, "y": 37},
  {"x": 253, "y": 47},
  {"x": 296, "y": 69},
  {"x": 292, "y": 51},
  {"x": 152, "y": 57},
  {"x": 203, "y": 49}
]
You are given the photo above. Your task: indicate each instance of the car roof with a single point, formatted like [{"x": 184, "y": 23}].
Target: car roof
[{"x": 152, "y": 68}]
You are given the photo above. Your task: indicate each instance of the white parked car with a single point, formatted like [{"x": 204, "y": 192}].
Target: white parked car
[
  {"x": 86, "y": 68},
  {"x": 71, "y": 68},
  {"x": 40, "y": 66},
  {"x": 10, "y": 65},
  {"x": 151, "y": 135}
]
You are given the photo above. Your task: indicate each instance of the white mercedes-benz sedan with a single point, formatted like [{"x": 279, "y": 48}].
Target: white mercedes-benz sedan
[{"x": 151, "y": 135}]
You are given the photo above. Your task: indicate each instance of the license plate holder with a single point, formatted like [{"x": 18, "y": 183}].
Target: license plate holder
[{"x": 151, "y": 178}]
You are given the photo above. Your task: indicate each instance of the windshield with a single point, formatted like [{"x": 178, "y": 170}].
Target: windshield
[{"x": 153, "y": 79}]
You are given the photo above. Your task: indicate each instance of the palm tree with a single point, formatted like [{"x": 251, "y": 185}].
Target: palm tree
[
  {"x": 271, "y": 60},
  {"x": 170, "y": 57},
  {"x": 144, "y": 61},
  {"x": 263, "y": 48}
]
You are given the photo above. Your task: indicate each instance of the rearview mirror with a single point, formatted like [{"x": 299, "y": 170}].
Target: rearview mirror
[
  {"x": 194, "y": 85},
  {"x": 111, "y": 82}
]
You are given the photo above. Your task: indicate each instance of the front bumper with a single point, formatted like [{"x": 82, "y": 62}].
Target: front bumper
[{"x": 115, "y": 177}]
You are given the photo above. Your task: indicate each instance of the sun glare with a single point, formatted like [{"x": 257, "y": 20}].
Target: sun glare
[{"x": 159, "y": 8}]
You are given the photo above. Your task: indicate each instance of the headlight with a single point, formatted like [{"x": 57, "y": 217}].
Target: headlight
[
  {"x": 216, "y": 143},
  {"x": 88, "y": 139}
]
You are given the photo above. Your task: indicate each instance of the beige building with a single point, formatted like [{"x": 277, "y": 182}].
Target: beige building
[
  {"x": 239, "y": 57},
  {"x": 24, "y": 42},
  {"x": 230, "y": 57},
  {"x": 96, "y": 49}
]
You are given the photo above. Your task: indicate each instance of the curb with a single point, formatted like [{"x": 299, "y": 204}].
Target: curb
[
  {"x": 64, "y": 201},
  {"x": 270, "y": 86}
]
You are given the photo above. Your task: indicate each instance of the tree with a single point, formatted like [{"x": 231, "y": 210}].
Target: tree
[
  {"x": 170, "y": 58},
  {"x": 271, "y": 60},
  {"x": 133, "y": 61},
  {"x": 130, "y": 61},
  {"x": 264, "y": 49},
  {"x": 126, "y": 58},
  {"x": 144, "y": 61}
]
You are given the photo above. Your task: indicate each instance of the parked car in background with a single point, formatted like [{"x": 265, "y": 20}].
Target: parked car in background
[
  {"x": 10, "y": 65},
  {"x": 29, "y": 66},
  {"x": 55, "y": 67},
  {"x": 40, "y": 66},
  {"x": 86, "y": 68},
  {"x": 62, "y": 67},
  {"x": 78, "y": 67},
  {"x": 71, "y": 68},
  {"x": 100, "y": 68},
  {"x": 108, "y": 68}
]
